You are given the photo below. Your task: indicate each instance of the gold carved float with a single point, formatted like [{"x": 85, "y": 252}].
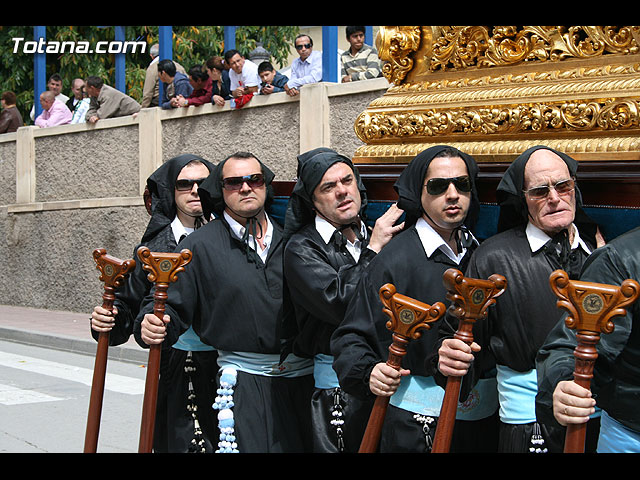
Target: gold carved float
[{"x": 494, "y": 91}]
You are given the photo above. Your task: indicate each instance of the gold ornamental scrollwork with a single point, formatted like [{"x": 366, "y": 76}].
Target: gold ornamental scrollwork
[
  {"x": 537, "y": 117},
  {"x": 395, "y": 44},
  {"x": 489, "y": 46}
]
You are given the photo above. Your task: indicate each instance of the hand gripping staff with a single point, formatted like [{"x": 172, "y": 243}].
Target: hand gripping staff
[
  {"x": 471, "y": 299},
  {"x": 408, "y": 317},
  {"x": 162, "y": 269},
  {"x": 591, "y": 306},
  {"x": 112, "y": 273}
]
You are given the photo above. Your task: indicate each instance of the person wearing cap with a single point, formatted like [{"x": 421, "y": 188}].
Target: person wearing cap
[
  {"x": 176, "y": 211},
  {"x": 328, "y": 247},
  {"x": 542, "y": 227},
  {"x": 231, "y": 293},
  {"x": 437, "y": 192}
]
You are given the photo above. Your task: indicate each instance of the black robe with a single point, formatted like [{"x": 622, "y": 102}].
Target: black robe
[
  {"x": 236, "y": 305},
  {"x": 517, "y": 325},
  {"x": 616, "y": 384},
  {"x": 175, "y": 430},
  {"x": 363, "y": 340},
  {"x": 322, "y": 280}
]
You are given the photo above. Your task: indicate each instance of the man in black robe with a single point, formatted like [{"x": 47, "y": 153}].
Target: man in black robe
[
  {"x": 615, "y": 383},
  {"x": 541, "y": 228},
  {"x": 437, "y": 192},
  {"x": 231, "y": 293},
  {"x": 186, "y": 369},
  {"x": 328, "y": 246}
]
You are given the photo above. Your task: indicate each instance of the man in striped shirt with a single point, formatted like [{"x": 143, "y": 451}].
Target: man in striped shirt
[{"x": 359, "y": 61}]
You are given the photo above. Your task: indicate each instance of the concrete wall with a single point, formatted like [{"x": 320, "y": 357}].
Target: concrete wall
[{"x": 70, "y": 189}]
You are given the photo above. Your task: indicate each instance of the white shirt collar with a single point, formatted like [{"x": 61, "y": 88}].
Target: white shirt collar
[
  {"x": 537, "y": 238},
  {"x": 179, "y": 229},
  {"x": 432, "y": 241},
  {"x": 238, "y": 230},
  {"x": 326, "y": 230}
]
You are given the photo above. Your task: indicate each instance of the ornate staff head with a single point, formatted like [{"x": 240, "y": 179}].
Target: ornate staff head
[
  {"x": 591, "y": 306},
  {"x": 471, "y": 298},
  {"x": 112, "y": 270},
  {"x": 163, "y": 267},
  {"x": 408, "y": 317}
]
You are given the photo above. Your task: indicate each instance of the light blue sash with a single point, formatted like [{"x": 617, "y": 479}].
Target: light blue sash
[
  {"x": 422, "y": 395},
  {"x": 615, "y": 437},
  {"x": 517, "y": 395},
  {"x": 190, "y": 342},
  {"x": 323, "y": 373},
  {"x": 266, "y": 364}
]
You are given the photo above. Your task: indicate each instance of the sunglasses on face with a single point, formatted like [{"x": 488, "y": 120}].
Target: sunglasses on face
[
  {"x": 437, "y": 186},
  {"x": 235, "y": 183},
  {"x": 304, "y": 45},
  {"x": 183, "y": 185},
  {"x": 562, "y": 187}
]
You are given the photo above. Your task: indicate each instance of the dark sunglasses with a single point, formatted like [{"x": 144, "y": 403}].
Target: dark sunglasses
[
  {"x": 235, "y": 183},
  {"x": 184, "y": 185},
  {"x": 304, "y": 45},
  {"x": 437, "y": 186},
  {"x": 562, "y": 188}
]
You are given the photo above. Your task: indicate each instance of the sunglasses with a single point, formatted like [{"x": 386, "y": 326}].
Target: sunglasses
[
  {"x": 235, "y": 183},
  {"x": 437, "y": 186},
  {"x": 304, "y": 45},
  {"x": 562, "y": 187},
  {"x": 184, "y": 185}
]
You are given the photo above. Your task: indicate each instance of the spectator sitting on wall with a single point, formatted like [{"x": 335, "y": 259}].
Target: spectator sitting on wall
[
  {"x": 272, "y": 80},
  {"x": 359, "y": 61},
  {"x": 175, "y": 83},
  {"x": 220, "y": 84},
  {"x": 54, "y": 112},
  {"x": 107, "y": 102},
  {"x": 55, "y": 85},
  {"x": 77, "y": 90},
  {"x": 307, "y": 68},
  {"x": 202, "y": 88},
  {"x": 10, "y": 118},
  {"x": 151, "y": 88},
  {"x": 243, "y": 74}
]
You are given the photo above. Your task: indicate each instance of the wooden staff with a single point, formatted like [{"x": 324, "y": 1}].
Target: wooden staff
[
  {"x": 471, "y": 299},
  {"x": 162, "y": 269},
  {"x": 112, "y": 273},
  {"x": 591, "y": 307},
  {"x": 408, "y": 317}
]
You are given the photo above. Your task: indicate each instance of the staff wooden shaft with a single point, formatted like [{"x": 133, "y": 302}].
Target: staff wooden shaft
[
  {"x": 113, "y": 272},
  {"x": 150, "y": 399},
  {"x": 408, "y": 318},
  {"x": 97, "y": 384},
  {"x": 371, "y": 438},
  {"x": 591, "y": 308},
  {"x": 470, "y": 299},
  {"x": 163, "y": 269}
]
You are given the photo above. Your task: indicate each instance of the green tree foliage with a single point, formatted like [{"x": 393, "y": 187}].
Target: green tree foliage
[{"x": 192, "y": 45}]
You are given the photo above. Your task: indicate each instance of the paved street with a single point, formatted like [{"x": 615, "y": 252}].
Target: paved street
[{"x": 44, "y": 399}]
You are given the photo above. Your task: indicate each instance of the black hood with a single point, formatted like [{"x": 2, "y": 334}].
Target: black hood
[
  {"x": 312, "y": 166},
  {"x": 161, "y": 186},
  {"x": 411, "y": 182},
  {"x": 513, "y": 206}
]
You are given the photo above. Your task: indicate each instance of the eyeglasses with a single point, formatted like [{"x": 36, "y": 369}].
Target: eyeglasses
[
  {"x": 562, "y": 187},
  {"x": 437, "y": 186},
  {"x": 304, "y": 45},
  {"x": 184, "y": 184},
  {"x": 235, "y": 183}
]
